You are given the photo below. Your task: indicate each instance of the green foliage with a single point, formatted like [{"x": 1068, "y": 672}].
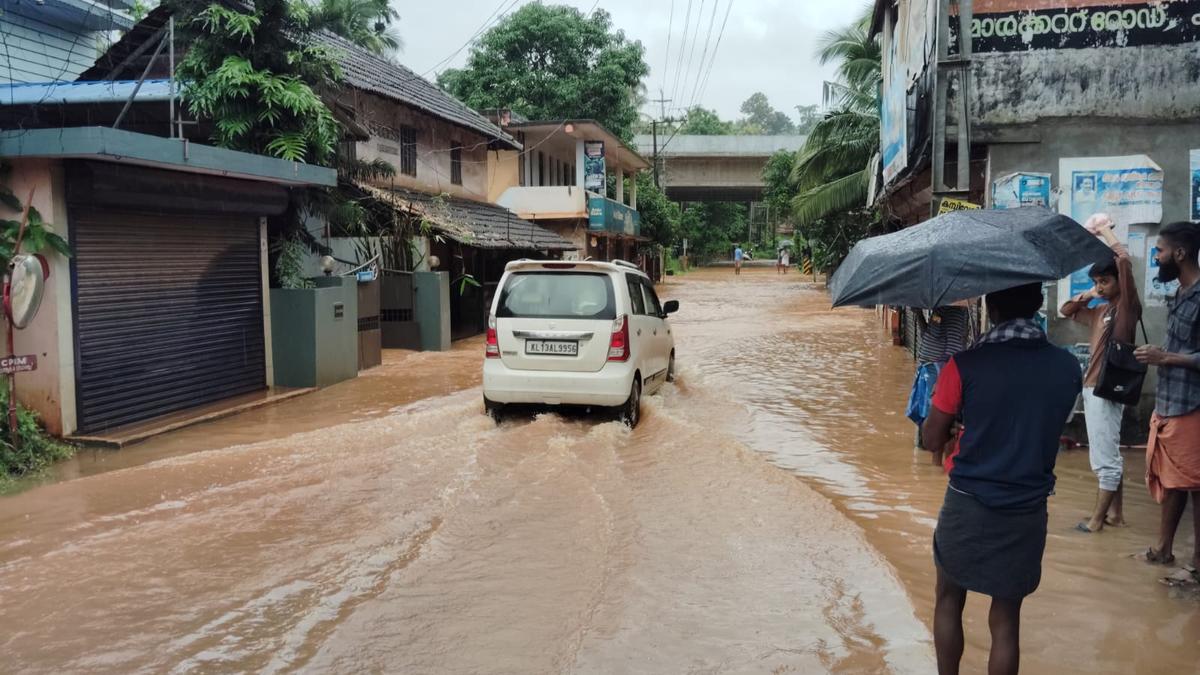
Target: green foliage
[
  {"x": 777, "y": 181},
  {"x": 713, "y": 228},
  {"x": 554, "y": 62},
  {"x": 257, "y": 74},
  {"x": 366, "y": 23},
  {"x": 761, "y": 119},
  {"x": 36, "y": 450},
  {"x": 38, "y": 236},
  {"x": 660, "y": 216},
  {"x": 832, "y": 237},
  {"x": 289, "y": 263},
  {"x": 831, "y": 175},
  {"x": 704, "y": 122},
  {"x": 139, "y": 10},
  {"x": 809, "y": 116}
]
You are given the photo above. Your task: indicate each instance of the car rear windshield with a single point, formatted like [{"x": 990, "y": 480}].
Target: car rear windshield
[{"x": 557, "y": 295}]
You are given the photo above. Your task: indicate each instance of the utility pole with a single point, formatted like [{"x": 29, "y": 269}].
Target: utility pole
[
  {"x": 959, "y": 66},
  {"x": 654, "y": 132},
  {"x": 662, "y": 103}
]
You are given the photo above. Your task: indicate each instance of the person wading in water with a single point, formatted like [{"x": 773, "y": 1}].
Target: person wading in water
[
  {"x": 1113, "y": 278},
  {"x": 1173, "y": 451},
  {"x": 1014, "y": 391}
]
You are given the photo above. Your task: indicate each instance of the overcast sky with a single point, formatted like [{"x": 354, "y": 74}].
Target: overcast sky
[{"x": 768, "y": 45}]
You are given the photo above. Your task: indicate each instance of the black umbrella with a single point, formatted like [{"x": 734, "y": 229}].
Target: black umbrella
[{"x": 963, "y": 254}]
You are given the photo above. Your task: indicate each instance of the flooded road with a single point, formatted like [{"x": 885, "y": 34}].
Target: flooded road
[{"x": 768, "y": 516}]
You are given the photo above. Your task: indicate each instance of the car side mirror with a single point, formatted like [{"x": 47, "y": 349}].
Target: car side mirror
[{"x": 670, "y": 307}]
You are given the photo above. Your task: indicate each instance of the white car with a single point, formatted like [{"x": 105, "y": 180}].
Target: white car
[{"x": 576, "y": 333}]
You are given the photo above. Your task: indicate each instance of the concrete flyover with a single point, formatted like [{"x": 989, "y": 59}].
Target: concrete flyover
[{"x": 714, "y": 168}]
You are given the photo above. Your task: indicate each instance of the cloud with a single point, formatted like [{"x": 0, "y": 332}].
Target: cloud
[{"x": 768, "y": 45}]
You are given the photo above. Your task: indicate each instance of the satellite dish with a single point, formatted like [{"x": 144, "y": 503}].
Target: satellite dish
[{"x": 23, "y": 292}]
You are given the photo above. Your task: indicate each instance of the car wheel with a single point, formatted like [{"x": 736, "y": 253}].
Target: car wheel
[
  {"x": 493, "y": 410},
  {"x": 671, "y": 368},
  {"x": 631, "y": 412}
]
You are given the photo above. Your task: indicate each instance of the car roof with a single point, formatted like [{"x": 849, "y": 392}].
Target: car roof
[{"x": 573, "y": 266}]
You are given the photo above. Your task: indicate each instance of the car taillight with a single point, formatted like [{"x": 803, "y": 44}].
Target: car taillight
[
  {"x": 618, "y": 346},
  {"x": 493, "y": 343}
]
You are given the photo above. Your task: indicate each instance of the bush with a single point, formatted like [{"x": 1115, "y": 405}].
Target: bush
[{"x": 38, "y": 450}]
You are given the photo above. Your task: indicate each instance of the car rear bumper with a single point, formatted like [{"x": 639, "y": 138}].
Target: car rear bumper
[{"x": 608, "y": 387}]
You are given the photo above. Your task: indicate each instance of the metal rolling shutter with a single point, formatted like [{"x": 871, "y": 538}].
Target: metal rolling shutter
[{"x": 169, "y": 313}]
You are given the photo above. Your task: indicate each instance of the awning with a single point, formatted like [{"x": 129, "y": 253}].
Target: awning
[
  {"x": 472, "y": 223},
  {"x": 128, "y": 147}
]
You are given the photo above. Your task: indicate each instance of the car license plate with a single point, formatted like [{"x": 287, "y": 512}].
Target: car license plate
[{"x": 552, "y": 347}]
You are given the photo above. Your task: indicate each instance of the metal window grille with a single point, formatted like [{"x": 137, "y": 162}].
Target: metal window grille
[
  {"x": 408, "y": 151},
  {"x": 456, "y": 164}
]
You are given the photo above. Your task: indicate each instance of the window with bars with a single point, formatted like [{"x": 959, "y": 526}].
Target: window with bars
[
  {"x": 456, "y": 163},
  {"x": 408, "y": 151}
]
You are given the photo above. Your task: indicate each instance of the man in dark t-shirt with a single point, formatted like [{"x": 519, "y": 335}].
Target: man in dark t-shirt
[{"x": 1014, "y": 392}]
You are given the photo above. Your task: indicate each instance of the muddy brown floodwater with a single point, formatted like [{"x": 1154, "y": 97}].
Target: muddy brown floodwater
[{"x": 769, "y": 515}]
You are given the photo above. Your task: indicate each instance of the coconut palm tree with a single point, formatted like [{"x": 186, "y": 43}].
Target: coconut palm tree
[
  {"x": 367, "y": 23},
  {"x": 831, "y": 173}
]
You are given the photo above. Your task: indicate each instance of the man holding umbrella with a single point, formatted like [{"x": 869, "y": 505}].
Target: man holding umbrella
[{"x": 1014, "y": 391}]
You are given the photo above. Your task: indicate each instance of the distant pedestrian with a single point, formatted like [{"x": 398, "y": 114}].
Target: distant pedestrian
[
  {"x": 784, "y": 260},
  {"x": 738, "y": 254},
  {"x": 1013, "y": 391},
  {"x": 1116, "y": 320},
  {"x": 943, "y": 335},
  {"x": 1173, "y": 451}
]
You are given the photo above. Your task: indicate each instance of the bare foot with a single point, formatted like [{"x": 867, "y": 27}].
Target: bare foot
[{"x": 1114, "y": 522}]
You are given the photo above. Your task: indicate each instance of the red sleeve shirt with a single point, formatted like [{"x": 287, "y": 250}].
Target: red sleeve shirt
[{"x": 947, "y": 393}]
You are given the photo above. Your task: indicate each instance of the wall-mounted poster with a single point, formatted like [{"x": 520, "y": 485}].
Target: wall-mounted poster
[
  {"x": 1157, "y": 291},
  {"x": 1129, "y": 189},
  {"x": 593, "y": 166},
  {"x": 893, "y": 123},
  {"x": 1021, "y": 189},
  {"x": 1195, "y": 176}
]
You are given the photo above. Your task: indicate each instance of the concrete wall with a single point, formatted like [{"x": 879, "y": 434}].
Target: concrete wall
[
  {"x": 1157, "y": 82},
  {"x": 504, "y": 172},
  {"x": 536, "y": 203},
  {"x": 714, "y": 172},
  {"x": 49, "y": 390},
  {"x": 313, "y": 347},
  {"x": 434, "y": 140},
  {"x": 1166, "y": 144}
]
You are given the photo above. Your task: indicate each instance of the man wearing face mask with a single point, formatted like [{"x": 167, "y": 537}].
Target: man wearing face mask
[{"x": 1173, "y": 451}]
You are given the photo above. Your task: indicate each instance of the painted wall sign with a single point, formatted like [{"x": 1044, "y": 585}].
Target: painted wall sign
[
  {"x": 593, "y": 166},
  {"x": 1195, "y": 177},
  {"x": 18, "y": 364},
  {"x": 1021, "y": 189},
  {"x": 1129, "y": 189},
  {"x": 948, "y": 204},
  {"x": 1018, "y": 25}
]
